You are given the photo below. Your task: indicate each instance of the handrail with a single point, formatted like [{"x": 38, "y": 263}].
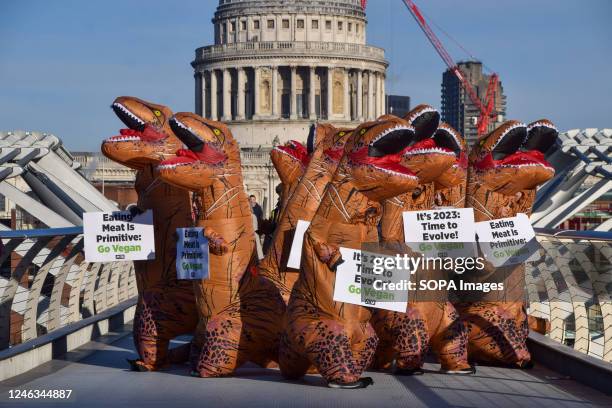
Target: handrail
[
  {"x": 573, "y": 234},
  {"x": 45, "y": 283},
  {"x": 39, "y": 233}
]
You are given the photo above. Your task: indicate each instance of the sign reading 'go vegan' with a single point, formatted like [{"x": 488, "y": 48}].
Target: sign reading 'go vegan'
[{"x": 118, "y": 236}]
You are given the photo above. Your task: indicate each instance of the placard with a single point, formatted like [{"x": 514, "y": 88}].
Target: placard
[
  {"x": 191, "y": 254},
  {"x": 507, "y": 241},
  {"x": 118, "y": 236},
  {"x": 295, "y": 255},
  {"x": 438, "y": 228},
  {"x": 353, "y": 286}
]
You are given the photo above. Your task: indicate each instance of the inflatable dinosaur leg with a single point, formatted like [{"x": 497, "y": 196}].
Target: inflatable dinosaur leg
[
  {"x": 403, "y": 336},
  {"x": 220, "y": 353},
  {"x": 293, "y": 361},
  {"x": 329, "y": 347},
  {"x": 450, "y": 341},
  {"x": 160, "y": 317},
  {"x": 363, "y": 345},
  {"x": 497, "y": 332}
]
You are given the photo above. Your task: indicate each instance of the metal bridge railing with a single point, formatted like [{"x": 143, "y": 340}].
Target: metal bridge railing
[
  {"x": 571, "y": 286},
  {"x": 45, "y": 284}
]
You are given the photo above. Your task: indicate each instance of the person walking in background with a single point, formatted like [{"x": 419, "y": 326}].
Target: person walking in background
[{"x": 256, "y": 208}]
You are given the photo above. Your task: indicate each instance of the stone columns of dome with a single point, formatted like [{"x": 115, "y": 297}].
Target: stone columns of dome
[
  {"x": 240, "y": 95},
  {"x": 227, "y": 95},
  {"x": 360, "y": 95},
  {"x": 293, "y": 102},
  {"x": 347, "y": 95},
  {"x": 214, "y": 97},
  {"x": 203, "y": 94},
  {"x": 370, "y": 95},
  {"x": 311, "y": 94},
  {"x": 275, "y": 91},
  {"x": 198, "y": 93},
  {"x": 257, "y": 76},
  {"x": 330, "y": 93},
  {"x": 378, "y": 99},
  {"x": 382, "y": 94}
]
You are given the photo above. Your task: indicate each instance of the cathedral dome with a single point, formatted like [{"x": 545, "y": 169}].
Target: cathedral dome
[{"x": 233, "y": 8}]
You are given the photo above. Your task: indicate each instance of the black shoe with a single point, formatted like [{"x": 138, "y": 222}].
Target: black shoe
[
  {"x": 408, "y": 371},
  {"x": 134, "y": 366},
  {"x": 465, "y": 371},
  {"x": 361, "y": 383}
]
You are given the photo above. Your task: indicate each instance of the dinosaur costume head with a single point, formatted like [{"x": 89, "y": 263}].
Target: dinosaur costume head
[
  {"x": 373, "y": 158},
  {"x": 148, "y": 138},
  {"x": 212, "y": 154},
  {"x": 451, "y": 184},
  {"x": 290, "y": 160},
  {"x": 509, "y": 162},
  {"x": 426, "y": 158},
  {"x": 447, "y": 137}
]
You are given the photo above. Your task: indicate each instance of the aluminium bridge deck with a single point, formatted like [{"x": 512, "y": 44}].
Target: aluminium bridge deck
[{"x": 97, "y": 373}]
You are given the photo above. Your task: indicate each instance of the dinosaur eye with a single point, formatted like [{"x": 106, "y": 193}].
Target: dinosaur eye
[
  {"x": 342, "y": 133},
  {"x": 217, "y": 132},
  {"x": 157, "y": 113},
  {"x": 363, "y": 131}
]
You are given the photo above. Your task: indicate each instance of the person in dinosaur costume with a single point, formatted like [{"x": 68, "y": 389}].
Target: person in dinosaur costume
[
  {"x": 505, "y": 168},
  {"x": 166, "y": 306},
  {"x": 325, "y": 144},
  {"x": 405, "y": 337},
  {"x": 238, "y": 311},
  {"x": 337, "y": 338}
]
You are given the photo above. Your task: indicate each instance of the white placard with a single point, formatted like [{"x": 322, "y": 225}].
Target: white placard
[
  {"x": 348, "y": 284},
  {"x": 191, "y": 254},
  {"x": 295, "y": 255},
  {"x": 507, "y": 241},
  {"x": 449, "y": 232},
  {"x": 118, "y": 236}
]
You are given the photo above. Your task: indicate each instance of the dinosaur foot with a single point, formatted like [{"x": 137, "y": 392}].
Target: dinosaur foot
[
  {"x": 461, "y": 371},
  {"x": 361, "y": 383},
  {"x": 137, "y": 365},
  {"x": 408, "y": 371}
]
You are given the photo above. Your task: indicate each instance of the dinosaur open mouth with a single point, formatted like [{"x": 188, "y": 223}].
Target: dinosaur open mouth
[
  {"x": 130, "y": 119},
  {"x": 148, "y": 134},
  {"x": 541, "y": 136},
  {"x": 384, "y": 153},
  {"x": 447, "y": 139},
  {"x": 137, "y": 131},
  {"x": 295, "y": 150},
  {"x": 509, "y": 142},
  {"x": 198, "y": 149},
  {"x": 427, "y": 146},
  {"x": 424, "y": 120},
  {"x": 520, "y": 159}
]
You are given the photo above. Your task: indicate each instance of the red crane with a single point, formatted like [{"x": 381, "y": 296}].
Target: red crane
[{"x": 486, "y": 107}]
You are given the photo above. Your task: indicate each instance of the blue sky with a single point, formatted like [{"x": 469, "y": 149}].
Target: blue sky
[{"x": 62, "y": 62}]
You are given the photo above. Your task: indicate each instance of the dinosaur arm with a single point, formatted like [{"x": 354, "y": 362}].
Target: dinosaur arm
[
  {"x": 328, "y": 254},
  {"x": 216, "y": 243}
]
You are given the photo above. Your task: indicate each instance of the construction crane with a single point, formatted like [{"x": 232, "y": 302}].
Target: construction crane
[{"x": 485, "y": 107}]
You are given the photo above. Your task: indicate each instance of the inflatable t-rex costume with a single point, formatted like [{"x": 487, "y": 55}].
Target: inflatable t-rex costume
[
  {"x": 239, "y": 312},
  {"x": 407, "y": 336},
  {"x": 337, "y": 337},
  {"x": 326, "y": 144},
  {"x": 166, "y": 306},
  {"x": 505, "y": 167}
]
